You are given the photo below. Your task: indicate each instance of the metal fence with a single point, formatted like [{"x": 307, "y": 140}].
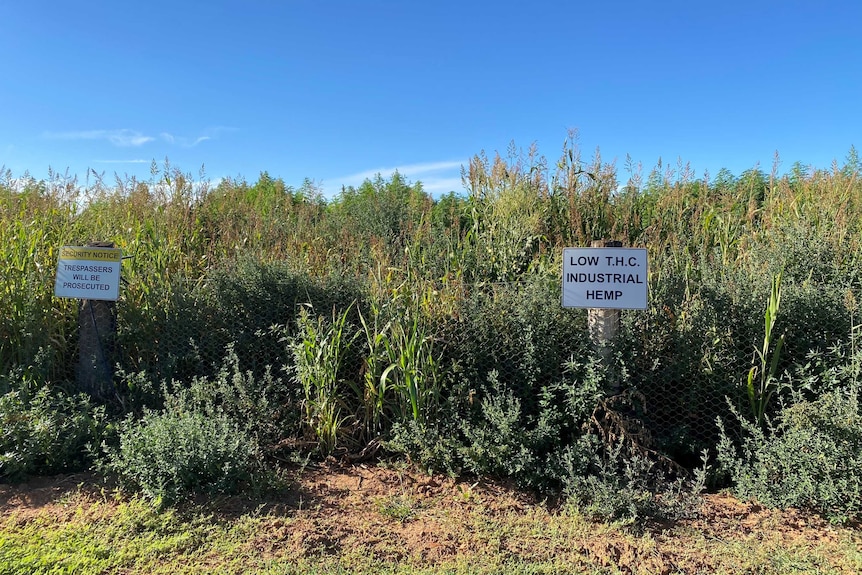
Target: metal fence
[{"x": 675, "y": 367}]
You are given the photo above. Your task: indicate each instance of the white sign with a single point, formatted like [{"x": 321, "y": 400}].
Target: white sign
[
  {"x": 88, "y": 273},
  {"x": 605, "y": 278}
]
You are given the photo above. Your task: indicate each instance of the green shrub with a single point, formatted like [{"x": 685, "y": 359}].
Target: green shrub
[
  {"x": 46, "y": 431},
  {"x": 541, "y": 450},
  {"x": 171, "y": 455},
  {"x": 810, "y": 457},
  {"x": 632, "y": 487},
  {"x": 518, "y": 330},
  {"x": 835, "y": 368},
  {"x": 436, "y": 448},
  {"x": 264, "y": 406},
  {"x": 210, "y": 436},
  {"x": 542, "y": 444}
]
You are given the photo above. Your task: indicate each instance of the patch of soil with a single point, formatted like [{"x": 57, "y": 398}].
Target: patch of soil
[
  {"x": 47, "y": 494},
  {"x": 402, "y": 515},
  {"x": 393, "y": 514}
]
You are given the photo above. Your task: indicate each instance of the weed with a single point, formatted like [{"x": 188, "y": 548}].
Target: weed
[
  {"x": 398, "y": 507},
  {"x": 762, "y": 383},
  {"x": 45, "y": 431},
  {"x": 318, "y": 353}
]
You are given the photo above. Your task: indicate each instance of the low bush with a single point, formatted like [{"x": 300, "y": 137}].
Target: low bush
[
  {"x": 629, "y": 488},
  {"x": 541, "y": 449},
  {"x": 809, "y": 457},
  {"x": 264, "y": 406},
  {"x": 171, "y": 455},
  {"x": 46, "y": 431},
  {"x": 209, "y": 438},
  {"x": 541, "y": 444},
  {"x": 435, "y": 448}
]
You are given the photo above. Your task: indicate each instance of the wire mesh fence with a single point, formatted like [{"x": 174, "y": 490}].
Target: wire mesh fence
[{"x": 424, "y": 355}]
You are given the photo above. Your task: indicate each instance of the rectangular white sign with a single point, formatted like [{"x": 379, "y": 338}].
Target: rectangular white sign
[
  {"x": 88, "y": 273},
  {"x": 605, "y": 278}
]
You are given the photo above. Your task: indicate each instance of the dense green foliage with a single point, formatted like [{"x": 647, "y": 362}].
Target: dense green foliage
[
  {"x": 45, "y": 431},
  {"x": 170, "y": 455},
  {"x": 810, "y": 458},
  {"x": 433, "y": 326},
  {"x": 206, "y": 439}
]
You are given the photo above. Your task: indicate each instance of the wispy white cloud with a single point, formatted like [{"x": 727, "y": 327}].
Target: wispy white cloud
[
  {"x": 183, "y": 141},
  {"x": 120, "y": 138},
  {"x": 438, "y": 186},
  {"x": 191, "y": 142},
  {"x": 126, "y": 138},
  {"x": 436, "y": 177}
]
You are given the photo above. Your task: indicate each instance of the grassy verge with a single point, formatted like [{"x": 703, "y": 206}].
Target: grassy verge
[{"x": 340, "y": 521}]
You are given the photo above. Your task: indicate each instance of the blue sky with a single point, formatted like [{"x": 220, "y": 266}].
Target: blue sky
[{"x": 336, "y": 91}]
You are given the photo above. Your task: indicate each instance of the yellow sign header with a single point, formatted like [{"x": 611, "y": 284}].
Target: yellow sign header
[{"x": 91, "y": 254}]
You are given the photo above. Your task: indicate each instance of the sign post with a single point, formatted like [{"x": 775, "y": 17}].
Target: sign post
[
  {"x": 91, "y": 274},
  {"x": 605, "y": 278}
]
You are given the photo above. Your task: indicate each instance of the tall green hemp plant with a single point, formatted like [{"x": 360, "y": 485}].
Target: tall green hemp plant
[{"x": 762, "y": 383}]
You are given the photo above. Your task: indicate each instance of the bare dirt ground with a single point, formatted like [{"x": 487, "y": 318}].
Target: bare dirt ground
[{"x": 401, "y": 515}]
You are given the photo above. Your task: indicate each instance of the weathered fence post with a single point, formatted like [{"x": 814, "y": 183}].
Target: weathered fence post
[
  {"x": 97, "y": 334},
  {"x": 604, "y": 279},
  {"x": 604, "y": 324}
]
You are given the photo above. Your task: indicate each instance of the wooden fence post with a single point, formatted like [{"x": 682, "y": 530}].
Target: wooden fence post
[
  {"x": 604, "y": 324},
  {"x": 97, "y": 334}
]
